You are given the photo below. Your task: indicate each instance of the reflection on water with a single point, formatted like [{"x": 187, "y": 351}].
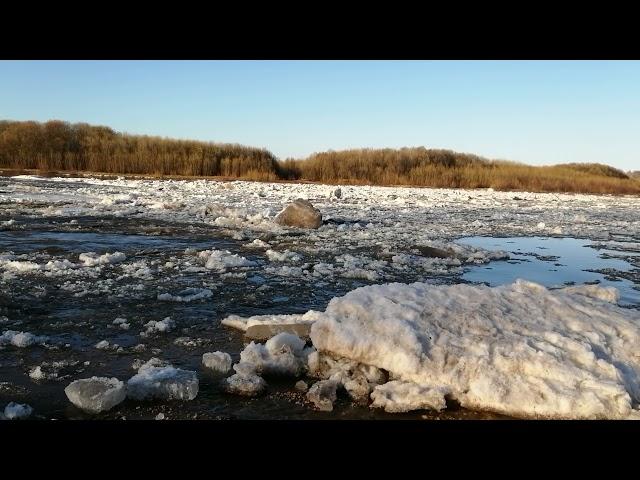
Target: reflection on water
[{"x": 557, "y": 262}]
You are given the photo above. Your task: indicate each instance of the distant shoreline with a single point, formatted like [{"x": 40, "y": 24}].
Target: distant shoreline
[{"x": 13, "y": 172}]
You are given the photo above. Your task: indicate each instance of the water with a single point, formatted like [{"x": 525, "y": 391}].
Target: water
[
  {"x": 558, "y": 262},
  {"x": 77, "y": 311}
]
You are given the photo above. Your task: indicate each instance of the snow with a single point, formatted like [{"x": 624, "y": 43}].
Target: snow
[
  {"x": 16, "y": 411},
  {"x": 397, "y": 396},
  {"x": 96, "y": 394},
  {"x": 92, "y": 259},
  {"x": 219, "y": 362},
  {"x": 517, "y": 349},
  {"x": 162, "y": 383},
  {"x": 187, "y": 295},
  {"x": 21, "y": 339}
]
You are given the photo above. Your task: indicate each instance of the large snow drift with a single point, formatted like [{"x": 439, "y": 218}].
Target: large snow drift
[{"x": 516, "y": 349}]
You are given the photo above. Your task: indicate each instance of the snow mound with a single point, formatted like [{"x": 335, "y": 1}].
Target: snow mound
[
  {"x": 92, "y": 259},
  {"x": 163, "y": 383},
  {"x": 517, "y": 349},
  {"x": 21, "y": 339},
  {"x": 96, "y": 394},
  {"x": 217, "y": 361},
  {"x": 16, "y": 411}
]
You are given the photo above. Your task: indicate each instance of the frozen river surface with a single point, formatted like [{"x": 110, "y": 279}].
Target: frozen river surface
[{"x": 84, "y": 261}]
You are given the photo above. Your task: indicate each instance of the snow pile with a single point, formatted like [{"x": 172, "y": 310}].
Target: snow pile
[
  {"x": 96, "y": 394},
  {"x": 187, "y": 295},
  {"x": 163, "y": 326},
  {"x": 92, "y": 259},
  {"x": 21, "y": 339},
  {"x": 219, "y": 362},
  {"x": 516, "y": 349},
  {"x": 162, "y": 383},
  {"x": 16, "y": 411},
  {"x": 220, "y": 261}
]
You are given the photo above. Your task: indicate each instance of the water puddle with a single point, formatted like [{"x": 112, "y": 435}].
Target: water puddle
[{"x": 558, "y": 262}]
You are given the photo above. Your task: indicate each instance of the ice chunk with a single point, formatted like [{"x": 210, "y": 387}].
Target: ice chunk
[
  {"x": 517, "y": 349},
  {"x": 187, "y": 295},
  {"x": 92, "y": 259},
  {"x": 21, "y": 339},
  {"x": 286, "y": 256},
  {"x": 162, "y": 326},
  {"x": 220, "y": 261},
  {"x": 217, "y": 361},
  {"x": 283, "y": 354},
  {"x": 244, "y": 384},
  {"x": 323, "y": 394},
  {"x": 163, "y": 383},
  {"x": 96, "y": 394},
  {"x": 102, "y": 345},
  {"x": 301, "y": 386},
  {"x": 15, "y": 411},
  {"x": 398, "y": 396}
]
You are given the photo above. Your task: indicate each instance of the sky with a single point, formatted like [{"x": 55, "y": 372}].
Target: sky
[{"x": 536, "y": 112}]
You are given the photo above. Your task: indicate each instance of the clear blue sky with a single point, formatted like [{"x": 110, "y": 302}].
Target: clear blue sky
[{"x": 533, "y": 112}]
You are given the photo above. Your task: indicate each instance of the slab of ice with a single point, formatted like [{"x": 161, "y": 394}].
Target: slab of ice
[
  {"x": 15, "y": 411},
  {"x": 163, "y": 383},
  {"x": 96, "y": 394},
  {"x": 243, "y": 323},
  {"x": 217, "y": 361},
  {"x": 21, "y": 339},
  {"x": 516, "y": 349},
  {"x": 92, "y": 259},
  {"x": 397, "y": 396}
]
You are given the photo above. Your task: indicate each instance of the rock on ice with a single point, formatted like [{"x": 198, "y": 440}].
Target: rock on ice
[{"x": 96, "y": 394}]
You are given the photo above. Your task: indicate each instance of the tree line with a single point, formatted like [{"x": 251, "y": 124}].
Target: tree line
[{"x": 61, "y": 146}]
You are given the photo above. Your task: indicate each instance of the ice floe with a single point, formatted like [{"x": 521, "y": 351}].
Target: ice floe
[
  {"x": 219, "y": 362},
  {"x": 96, "y": 394},
  {"x": 517, "y": 349},
  {"x": 162, "y": 383}
]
